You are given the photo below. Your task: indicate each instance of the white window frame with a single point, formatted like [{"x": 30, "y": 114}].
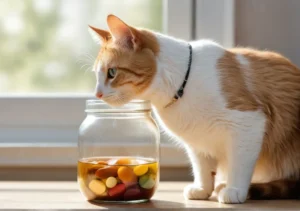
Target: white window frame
[{"x": 22, "y": 118}]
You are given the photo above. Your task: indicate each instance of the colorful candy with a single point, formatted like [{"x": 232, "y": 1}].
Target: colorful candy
[
  {"x": 153, "y": 168},
  {"x": 140, "y": 170},
  {"x": 123, "y": 161},
  {"x": 132, "y": 194},
  {"x": 102, "y": 162},
  {"x": 147, "y": 181},
  {"x": 126, "y": 174},
  {"x": 117, "y": 179},
  {"x": 117, "y": 190},
  {"x": 85, "y": 191},
  {"x": 97, "y": 187},
  {"x": 103, "y": 173},
  {"x": 111, "y": 182}
]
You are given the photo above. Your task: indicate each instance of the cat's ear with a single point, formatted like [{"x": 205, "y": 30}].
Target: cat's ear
[
  {"x": 122, "y": 33},
  {"x": 99, "y": 35}
]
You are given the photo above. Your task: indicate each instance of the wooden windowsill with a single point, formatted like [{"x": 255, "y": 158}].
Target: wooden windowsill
[{"x": 65, "y": 195}]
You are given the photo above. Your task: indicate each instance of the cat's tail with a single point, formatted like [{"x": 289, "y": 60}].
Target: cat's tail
[{"x": 280, "y": 189}]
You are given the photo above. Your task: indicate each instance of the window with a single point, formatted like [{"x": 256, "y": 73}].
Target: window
[
  {"x": 46, "y": 52},
  {"x": 47, "y": 47}
]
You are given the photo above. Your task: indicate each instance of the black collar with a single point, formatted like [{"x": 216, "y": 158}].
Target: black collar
[{"x": 180, "y": 91}]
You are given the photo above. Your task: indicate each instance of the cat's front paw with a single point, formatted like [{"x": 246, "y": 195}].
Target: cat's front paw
[
  {"x": 219, "y": 187},
  {"x": 232, "y": 195},
  {"x": 196, "y": 192}
]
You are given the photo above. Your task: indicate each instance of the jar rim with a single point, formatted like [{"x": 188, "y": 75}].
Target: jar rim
[{"x": 99, "y": 106}]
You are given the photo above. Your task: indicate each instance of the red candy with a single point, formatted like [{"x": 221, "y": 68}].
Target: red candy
[
  {"x": 117, "y": 190},
  {"x": 132, "y": 194},
  {"x": 129, "y": 185},
  {"x": 117, "y": 179}
]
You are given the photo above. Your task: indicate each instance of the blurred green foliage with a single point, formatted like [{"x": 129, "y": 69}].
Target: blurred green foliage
[{"x": 45, "y": 45}]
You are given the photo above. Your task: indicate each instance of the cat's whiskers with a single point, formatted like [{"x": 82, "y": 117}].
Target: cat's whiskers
[{"x": 86, "y": 61}]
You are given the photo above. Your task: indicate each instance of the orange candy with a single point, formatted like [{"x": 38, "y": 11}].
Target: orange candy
[
  {"x": 126, "y": 174},
  {"x": 124, "y": 161},
  {"x": 102, "y": 162}
]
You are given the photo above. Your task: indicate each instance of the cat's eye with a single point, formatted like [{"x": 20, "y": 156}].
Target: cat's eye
[{"x": 111, "y": 73}]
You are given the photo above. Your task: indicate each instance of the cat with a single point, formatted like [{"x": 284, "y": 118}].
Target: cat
[{"x": 236, "y": 111}]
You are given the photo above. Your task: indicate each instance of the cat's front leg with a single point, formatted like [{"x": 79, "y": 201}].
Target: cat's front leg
[
  {"x": 243, "y": 151},
  {"x": 203, "y": 185}
]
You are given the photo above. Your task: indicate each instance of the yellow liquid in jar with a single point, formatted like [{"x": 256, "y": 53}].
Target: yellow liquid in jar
[{"x": 118, "y": 178}]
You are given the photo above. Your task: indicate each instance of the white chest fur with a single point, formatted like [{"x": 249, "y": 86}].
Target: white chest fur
[{"x": 199, "y": 117}]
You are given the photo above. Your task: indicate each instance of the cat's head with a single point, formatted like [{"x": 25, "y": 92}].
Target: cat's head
[{"x": 126, "y": 63}]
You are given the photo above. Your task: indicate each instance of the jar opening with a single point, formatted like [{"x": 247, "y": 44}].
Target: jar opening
[{"x": 99, "y": 106}]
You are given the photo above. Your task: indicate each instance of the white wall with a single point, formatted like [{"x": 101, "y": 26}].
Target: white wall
[{"x": 269, "y": 24}]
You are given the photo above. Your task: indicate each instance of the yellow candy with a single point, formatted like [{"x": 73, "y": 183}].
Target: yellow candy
[
  {"x": 104, "y": 194},
  {"x": 85, "y": 191},
  {"x": 140, "y": 170},
  {"x": 97, "y": 187},
  {"x": 153, "y": 167},
  {"x": 111, "y": 182}
]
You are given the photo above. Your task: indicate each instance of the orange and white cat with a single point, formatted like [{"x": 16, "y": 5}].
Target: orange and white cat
[{"x": 238, "y": 113}]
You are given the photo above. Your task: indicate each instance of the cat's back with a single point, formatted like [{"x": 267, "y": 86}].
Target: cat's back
[
  {"x": 264, "y": 81},
  {"x": 251, "y": 79}
]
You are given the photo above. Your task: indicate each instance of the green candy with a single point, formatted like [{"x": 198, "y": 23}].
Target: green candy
[{"x": 147, "y": 181}]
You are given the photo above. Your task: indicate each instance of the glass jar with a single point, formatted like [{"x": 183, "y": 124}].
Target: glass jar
[{"x": 118, "y": 153}]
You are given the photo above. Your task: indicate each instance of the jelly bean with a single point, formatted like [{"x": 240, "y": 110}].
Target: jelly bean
[
  {"x": 85, "y": 191},
  {"x": 97, "y": 187},
  {"x": 130, "y": 184},
  {"x": 110, "y": 171},
  {"x": 147, "y": 193},
  {"x": 147, "y": 181},
  {"x": 104, "y": 194},
  {"x": 123, "y": 161},
  {"x": 118, "y": 180},
  {"x": 96, "y": 165},
  {"x": 111, "y": 182},
  {"x": 140, "y": 170},
  {"x": 117, "y": 190},
  {"x": 153, "y": 168},
  {"x": 102, "y": 162},
  {"x": 126, "y": 174},
  {"x": 132, "y": 194}
]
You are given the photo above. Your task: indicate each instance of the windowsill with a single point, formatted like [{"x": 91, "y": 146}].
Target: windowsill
[{"x": 65, "y": 195}]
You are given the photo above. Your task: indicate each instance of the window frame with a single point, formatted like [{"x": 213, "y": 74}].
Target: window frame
[{"x": 21, "y": 114}]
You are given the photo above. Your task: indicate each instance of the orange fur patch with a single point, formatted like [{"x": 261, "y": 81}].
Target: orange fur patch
[
  {"x": 234, "y": 86},
  {"x": 135, "y": 67}
]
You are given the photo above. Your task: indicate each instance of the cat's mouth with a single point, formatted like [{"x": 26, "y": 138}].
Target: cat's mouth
[{"x": 114, "y": 100}]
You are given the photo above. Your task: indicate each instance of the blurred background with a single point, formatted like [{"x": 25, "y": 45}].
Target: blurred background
[
  {"x": 45, "y": 45},
  {"x": 46, "y": 55}
]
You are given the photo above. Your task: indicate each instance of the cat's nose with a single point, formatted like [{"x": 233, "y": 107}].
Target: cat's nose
[{"x": 99, "y": 95}]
